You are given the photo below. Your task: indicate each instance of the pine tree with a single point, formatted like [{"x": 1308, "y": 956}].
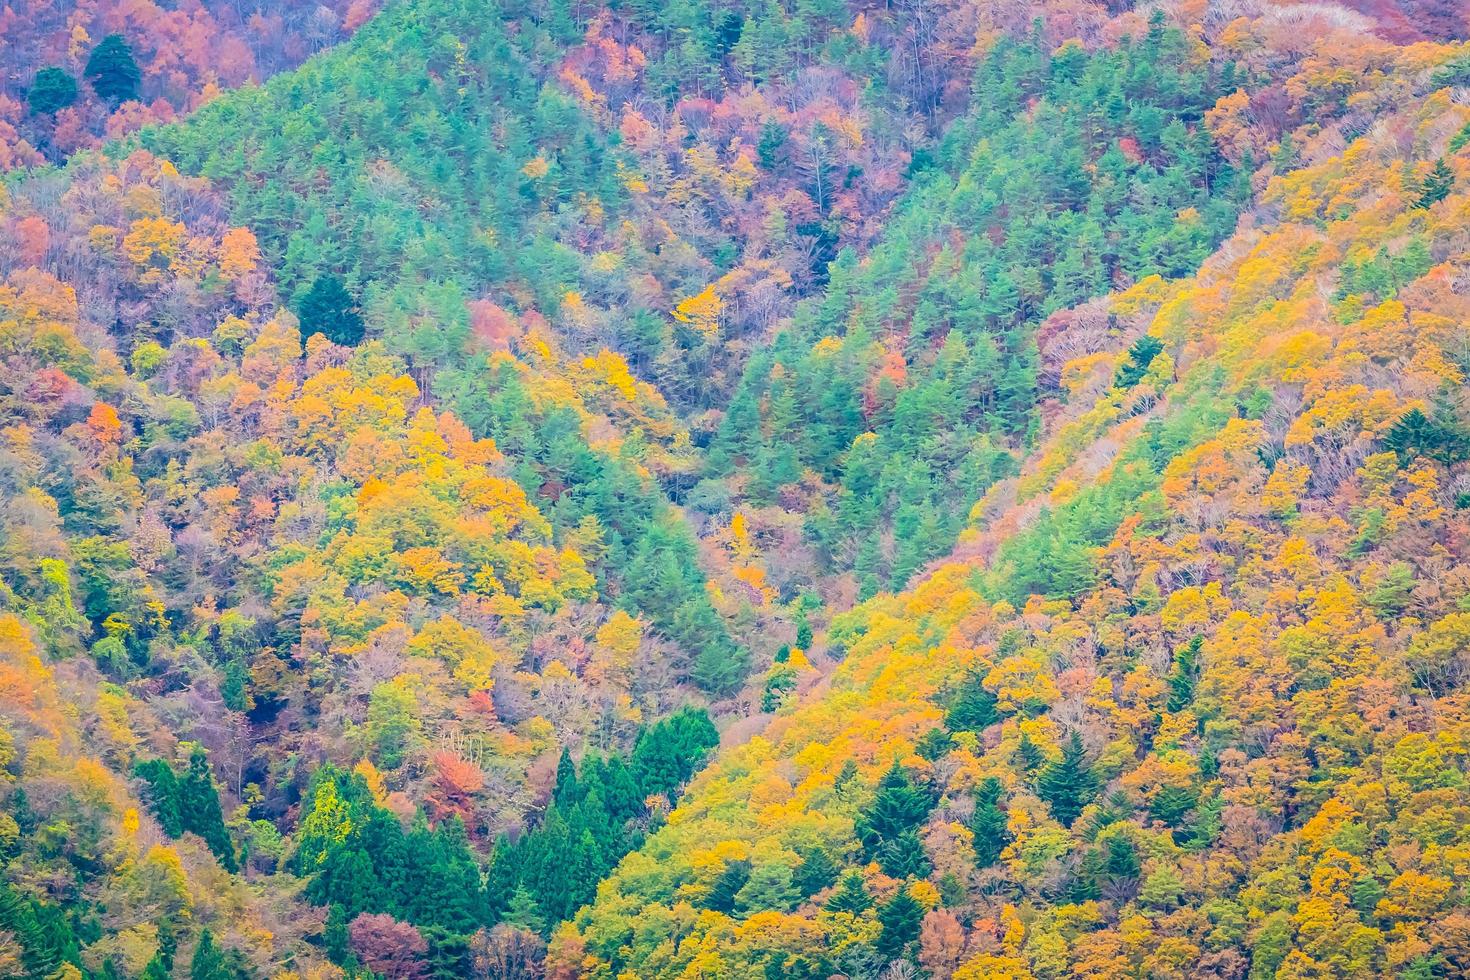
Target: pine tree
[
  {"x": 727, "y": 885},
  {"x": 1029, "y": 756},
  {"x": 52, "y": 90},
  {"x": 524, "y": 911},
  {"x": 769, "y": 887},
  {"x": 1184, "y": 674},
  {"x": 163, "y": 794},
  {"x": 565, "y": 793},
  {"x": 815, "y": 873},
  {"x": 1436, "y": 186},
  {"x": 934, "y": 744},
  {"x": 112, "y": 71},
  {"x": 212, "y": 963},
  {"x": 973, "y": 708},
  {"x": 1140, "y": 356},
  {"x": 900, "y": 917},
  {"x": 336, "y": 940},
  {"x": 852, "y": 896},
  {"x": 1068, "y": 784},
  {"x": 989, "y": 823},
  {"x": 903, "y": 856},
  {"x": 199, "y": 809},
  {"x": 899, "y": 807},
  {"x": 328, "y": 308}
]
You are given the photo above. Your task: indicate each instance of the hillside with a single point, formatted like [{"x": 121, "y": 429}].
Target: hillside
[
  {"x": 1188, "y": 699},
  {"x": 727, "y": 490}
]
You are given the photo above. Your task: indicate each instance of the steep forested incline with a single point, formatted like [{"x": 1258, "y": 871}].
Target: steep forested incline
[
  {"x": 413, "y": 468},
  {"x": 1190, "y": 700},
  {"x": 73, "y": 73}
]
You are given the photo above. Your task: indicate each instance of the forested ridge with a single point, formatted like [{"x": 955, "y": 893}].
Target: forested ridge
[{"x": 734, "y": 490}]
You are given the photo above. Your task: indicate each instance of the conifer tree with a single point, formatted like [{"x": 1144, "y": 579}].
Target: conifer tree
[
  {"x": 1436, "y": 186},
  {"x": 900, "y": 917},
  {"x": 52, "y": 90},
  {"x": 815, "y": 873},
  {"x": 1068, "y": 784},
  {"x": 852, "y": 896},
  {"x": 989, "y": 823},
  {"x": 973, "y": 708},
  {"x": 328, "y": 308},
  {"x": 524, "y": 911},
  {"x": 199, "y": 809},
  {"x": 727, "y": 885},
  {"x": 112, "y": 71}
]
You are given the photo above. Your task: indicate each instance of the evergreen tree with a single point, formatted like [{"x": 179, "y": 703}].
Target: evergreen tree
[
  {"x": 525, "y": 912},
  {"x": 934, "y": 744},
  {"x": 852, "y": 896},
  {"x": 1029, "y": 756},
  {"x": 1068, "y": 784},
  {"x": 727, "y": 885},
  {"x": 336, "y": 939},
  {"x": 1436, "y": 186},
  {"x": 328, "y": 308},
  {"x": 989, "y": 823},
  {"x": 112, "y": 71},
  {"x": 1184, "y": 674},
  {"x": 1140, "y": 356},
  {"x": 815, "y": 873},
  {"x": 900, "y": 917},
  {"x": 565, "y": 793},
  {"x": 52, "y": 90},
  {"x": 163, "y": 794},
  {"x": 898, "y": 807},
  {"x": 769, "y": 887},
  {"x": 212, "y": 963},
  {"x": 199, "y": 809},
  {"x": 973, "y": 707}
]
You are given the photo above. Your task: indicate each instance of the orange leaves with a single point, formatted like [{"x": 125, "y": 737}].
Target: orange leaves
[
  {"x": 104, "y": 425},
  {"x": 456, "y": 781},
  {"x": 239, "y": 253}
]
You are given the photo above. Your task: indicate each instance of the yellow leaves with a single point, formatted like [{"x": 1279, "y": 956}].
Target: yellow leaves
[
  {"x": 1414, "y": 894},
  {"x": 373, "y": 778},
  {"x": 155, "y": 245},
  {"x": 924, "y": 892},
  {"x": 1194, "y": 607},
  {"x": 536, "y": 168},
  {"x": 611, "y": 370},
  {"x": 988, "y": 966},
  {"x": 702, "y": 313}
]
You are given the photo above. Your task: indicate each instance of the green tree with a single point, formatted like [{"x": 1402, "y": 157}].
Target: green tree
[
  {"x": 1436, "y": 186},
  {"x": 525, "y": 912},
  {"x": 212, "y": 963},
  {"x": 852, "y": 896},
  {"x": 727, "y": 885},
  {"x": 52, "y": 90},
  {"x": 112, "y": 71},
  {"x": 328, "y": 308},
  {"x": 1068, "y": 784},
  {"x": 973, "y": 707},
  {"x": 1184, "y": 674},
  {"x": 200, "y": 812},
  {"x": 900, "y": 917},
  {"x": 989, "y": 822},
  {"x": 888, "y": 829},
  {"x": 815, "y": 873},
  {"x": 163, "y": 794}
]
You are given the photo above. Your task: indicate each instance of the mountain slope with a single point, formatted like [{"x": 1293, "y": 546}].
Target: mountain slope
[{"x": 1228, "y": 735}]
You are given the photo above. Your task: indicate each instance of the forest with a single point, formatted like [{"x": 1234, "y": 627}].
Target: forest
[{"x": 535, "y": 490}]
